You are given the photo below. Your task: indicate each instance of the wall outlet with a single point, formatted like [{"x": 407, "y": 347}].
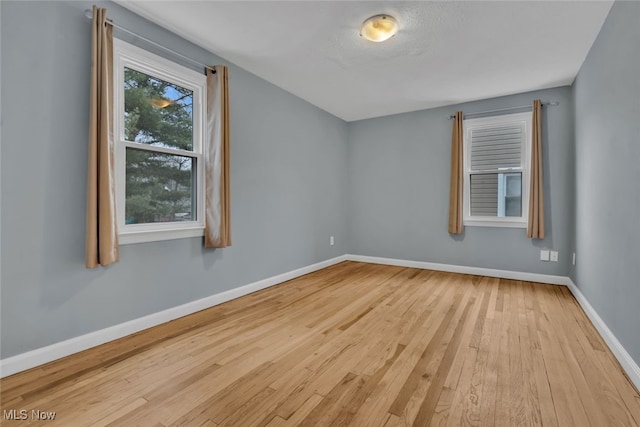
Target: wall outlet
[
  {"x": 574, "y": 259},
  {"x": 553, "y": 255},
  {"x": 331, "y": 241},
  {"x": 544, "y": 255}
]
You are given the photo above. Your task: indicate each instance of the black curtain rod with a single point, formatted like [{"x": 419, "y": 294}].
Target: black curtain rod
[
  {"x": 89, "y": 14},
  {"x": 506, "y": 109}
]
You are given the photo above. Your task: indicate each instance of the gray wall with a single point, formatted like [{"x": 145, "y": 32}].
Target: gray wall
[
  {"x": 399, "y": 190},
  {"x": 607, "y": 122},
  {"x": 288, "y": 169}
]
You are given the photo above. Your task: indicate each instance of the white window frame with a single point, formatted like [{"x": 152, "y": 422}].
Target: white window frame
[
  {"x": 129, "y": 56},
  {"x": 525, "y": 168}
]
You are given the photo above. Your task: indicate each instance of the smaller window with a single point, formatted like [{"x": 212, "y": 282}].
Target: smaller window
[
  {"x": 496, "y": 168},
  {"x": 159, "y": 137}
]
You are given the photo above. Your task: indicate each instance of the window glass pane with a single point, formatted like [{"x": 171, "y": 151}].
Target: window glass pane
[
  {"x": 157, "y": 112},
  {"x": 496, "y": 194},
  {"x": 159, "y": 187}
]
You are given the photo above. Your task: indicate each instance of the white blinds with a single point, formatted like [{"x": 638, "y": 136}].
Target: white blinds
[
  {"x": 484, "y": 194},
  {"x": 496, "y": 153},
  {"x": 497, "y": 147}
]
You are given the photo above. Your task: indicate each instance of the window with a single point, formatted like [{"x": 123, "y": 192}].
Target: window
[
  {"x": 159, "y": 137},
  {"x": 496, "y": 167}
]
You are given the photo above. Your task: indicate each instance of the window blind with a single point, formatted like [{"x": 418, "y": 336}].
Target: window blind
[
  {"x": 496, "y": 147},
  {"x": 484, "y": 194},
  {"x": 495, "y": 151}
]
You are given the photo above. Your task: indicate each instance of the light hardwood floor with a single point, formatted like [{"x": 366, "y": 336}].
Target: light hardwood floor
[{"x": 353, "y": 344}]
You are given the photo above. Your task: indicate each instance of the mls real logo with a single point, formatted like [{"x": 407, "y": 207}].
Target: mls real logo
[
  {"x": 23, "y": 414},
  {"x": 14, "y": 414}
]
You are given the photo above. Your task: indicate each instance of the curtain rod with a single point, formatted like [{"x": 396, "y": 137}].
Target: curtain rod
[
  {"x": 506, "y": 109},
  {"x": 89, "y": 14}
]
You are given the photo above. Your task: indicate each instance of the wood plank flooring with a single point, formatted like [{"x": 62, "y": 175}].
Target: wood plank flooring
[{"x": 353, "y": 344}]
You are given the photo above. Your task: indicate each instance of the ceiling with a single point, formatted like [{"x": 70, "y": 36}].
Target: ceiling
[{"x": 444, "y": 53}]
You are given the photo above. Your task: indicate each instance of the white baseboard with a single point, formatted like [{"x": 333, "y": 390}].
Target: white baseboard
[
  {"x": 503, "y": 274},
  {"x": 40, "y": 356},
  {"x": 630, "y": 367}
]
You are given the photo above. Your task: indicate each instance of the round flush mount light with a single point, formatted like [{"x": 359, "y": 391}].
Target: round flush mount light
[
  {"x": 160, "y": 102},
  {"x": 379, "y": 28}
]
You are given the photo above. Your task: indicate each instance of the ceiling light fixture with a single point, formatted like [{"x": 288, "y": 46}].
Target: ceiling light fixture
[
  {"x": 160, "y": 102},
  {"x": 379, "y": 28}
]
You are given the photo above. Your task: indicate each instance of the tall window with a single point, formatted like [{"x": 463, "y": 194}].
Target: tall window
[
  {"x": 496, "y": 166},
  {"x": 159, "y": 125}
]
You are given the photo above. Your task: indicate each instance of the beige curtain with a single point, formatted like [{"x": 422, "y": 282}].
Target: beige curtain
[
  {"x": 218, "y": 197},
  {"x": 455, "y": 183},
  {"x": 101, "y": 226},
  {"x": 535, "y": 228}
]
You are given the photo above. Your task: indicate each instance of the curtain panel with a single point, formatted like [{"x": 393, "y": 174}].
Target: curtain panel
[
  {"x": 456, "y": 181},
  {"x": 217, "y": 161},
  {"x": 535, "y": 227},
  {"x": 101, "y": 246}
]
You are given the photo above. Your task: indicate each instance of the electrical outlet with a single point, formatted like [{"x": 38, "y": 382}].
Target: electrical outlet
[
  {"x": 331, "y": 241},
  {"x": 544, "y": 255},
  {"x": 574, "y": 258},
  {"x": 553, "y": 255}
]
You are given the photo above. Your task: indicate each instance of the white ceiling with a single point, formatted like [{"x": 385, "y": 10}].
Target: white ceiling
[{"x": 444, "y": 53}]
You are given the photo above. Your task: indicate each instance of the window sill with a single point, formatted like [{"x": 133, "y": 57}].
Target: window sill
[
  {"x": 144, "y": 236},
  {"x": 494, "y": 223}
]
